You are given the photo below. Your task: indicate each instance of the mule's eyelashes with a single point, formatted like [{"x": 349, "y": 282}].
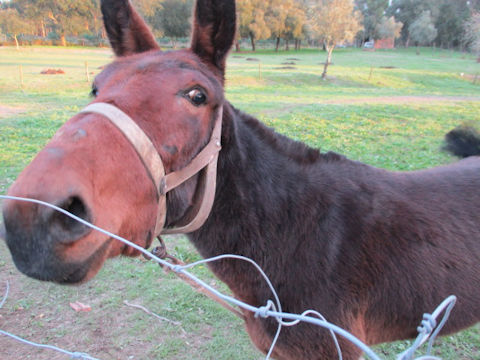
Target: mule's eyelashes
[
  {"x": 94, "y": 91},
  {"x": 196, "y": 96}
]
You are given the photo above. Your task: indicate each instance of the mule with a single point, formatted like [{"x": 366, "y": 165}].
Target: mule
[{"x": 370, "y": 249}]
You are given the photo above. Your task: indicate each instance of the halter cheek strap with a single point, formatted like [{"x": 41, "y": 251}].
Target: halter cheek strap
[{"x": 205, "y": 164}]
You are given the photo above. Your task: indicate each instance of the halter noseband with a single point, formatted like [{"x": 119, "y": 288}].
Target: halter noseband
[{"x": 205, "y": 162}]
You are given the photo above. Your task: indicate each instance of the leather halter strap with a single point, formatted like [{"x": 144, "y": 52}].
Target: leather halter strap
[{"x": 204, "y": 163}]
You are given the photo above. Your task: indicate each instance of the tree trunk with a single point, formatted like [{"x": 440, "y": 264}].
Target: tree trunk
[
  {"x": 237, "y": 45},
  {"x": 329, "y": 54},
  {"x": 16, "y": 41},
  {"x": 297, "y": 44},
  {"x": 95, "y": 24},
  {"x": 63, "y": 40},
  {"x": 174, "y": 42},
  {"x": 277, "y": 43},
  {"x": 329, "y": 59},
  {"x": 252, "y": 40},
  {"x": 44, "y": 31},
  {"x": 417, "y": 50},
  {"x": 287, "y": 47}
]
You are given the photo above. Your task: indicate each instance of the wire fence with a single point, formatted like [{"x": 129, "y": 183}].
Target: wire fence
[{"x": 427, "y": 331}]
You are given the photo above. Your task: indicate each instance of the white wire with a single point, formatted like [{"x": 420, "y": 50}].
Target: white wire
[
  {"x": 262, "y": 311},
  {"x": 6, "y": 295},
  {"x": 73, "y": 355},
  {"x": 278, "y": 315}
]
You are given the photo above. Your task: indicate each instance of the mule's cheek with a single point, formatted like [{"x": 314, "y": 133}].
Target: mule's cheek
[{"x": 128, "y": 208}]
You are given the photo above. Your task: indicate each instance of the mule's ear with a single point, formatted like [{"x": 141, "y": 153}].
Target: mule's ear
[
  {"x": 127, "y": 31},
  {"x": 214, "y": 26}
]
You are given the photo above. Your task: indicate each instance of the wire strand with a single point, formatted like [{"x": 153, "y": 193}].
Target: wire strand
[
  {"x": 73, "y": 355},
  {"x": 265, "y": 311}
]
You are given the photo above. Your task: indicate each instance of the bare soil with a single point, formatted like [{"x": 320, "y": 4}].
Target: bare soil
[
  {"x": 6, "y": 111},
  {"x": 52, "y": 72}
]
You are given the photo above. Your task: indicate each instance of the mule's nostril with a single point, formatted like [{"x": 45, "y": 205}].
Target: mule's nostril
[
  {"x": 70, "y": 229},
  {"x": 75, "y": 206}
]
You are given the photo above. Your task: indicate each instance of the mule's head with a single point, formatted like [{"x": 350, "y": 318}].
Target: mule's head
[{"x": 90, "y": 168}]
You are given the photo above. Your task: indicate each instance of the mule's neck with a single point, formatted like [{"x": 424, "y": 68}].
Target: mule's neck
[{"x": 262, "y": 182}]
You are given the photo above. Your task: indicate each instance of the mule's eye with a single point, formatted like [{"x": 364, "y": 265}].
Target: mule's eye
[{"x": 197, "y": 97}]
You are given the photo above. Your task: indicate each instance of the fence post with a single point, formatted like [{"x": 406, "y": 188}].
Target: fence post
[
  {"x": 87, "y": 75},
  {"x": 20, "y": 70}
]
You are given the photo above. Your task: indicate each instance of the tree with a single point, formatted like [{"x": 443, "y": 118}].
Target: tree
[
  {"x": 388, "y": 28},
  {"x": 449, "y": 22},
  {"x": 251, "y": 20},
  {"x": 32, "y": 15},
  {"x": 406, "y": 11},
  {"x": 423, "y": 30},
  {"x": 95, "y": 20},
  {"x": 12, "y": 24},
  {"x": 151, "y": 12},
  {"x": 334, "y": 22},
  {"x": 276, "y": 16},
  {"x": 373, "y": 14},
  {"x": 295, "y": 25},
  {"x": 175, "y": 18},
  {"x": 66, "y": 16},
  {"x": 472, "y": 33}
]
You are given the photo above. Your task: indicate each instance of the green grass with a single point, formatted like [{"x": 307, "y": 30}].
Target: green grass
[{"x": 361, "y": 110}]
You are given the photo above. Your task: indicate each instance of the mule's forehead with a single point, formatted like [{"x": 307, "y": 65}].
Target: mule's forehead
[{"x": 160, "y": 63}]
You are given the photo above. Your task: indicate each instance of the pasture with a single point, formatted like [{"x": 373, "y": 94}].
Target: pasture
[{"x": 389, "y": 109}]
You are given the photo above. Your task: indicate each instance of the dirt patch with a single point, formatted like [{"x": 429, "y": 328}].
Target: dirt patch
[
  {"x": 6, "y": 111},
  {"x": 474, "y": 78},
  {"x": 293, "y": 59},
  {"x": 401, "y": 100},
  {"x": 287, "y": 68},
  {"x": 387, "y": 67},
  {"x": 52, "y": 72},
  {"x": 289, "y": 63},
  {"x": 252, "y": 59}
]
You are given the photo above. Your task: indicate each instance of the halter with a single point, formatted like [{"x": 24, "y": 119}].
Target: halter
[{"x": 204, "y": 163}]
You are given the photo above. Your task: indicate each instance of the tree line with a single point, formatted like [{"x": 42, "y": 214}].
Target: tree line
[{"x": 444, "y": 23}]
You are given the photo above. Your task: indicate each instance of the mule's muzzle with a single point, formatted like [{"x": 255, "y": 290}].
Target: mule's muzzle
[{"x": 38, "y": 237}]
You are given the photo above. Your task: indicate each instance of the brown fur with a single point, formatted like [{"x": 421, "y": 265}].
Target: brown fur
[{"x": 371, "y": 250}]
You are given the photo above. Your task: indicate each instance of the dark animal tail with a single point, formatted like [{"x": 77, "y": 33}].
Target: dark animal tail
[{"x": 463, "y": 141}]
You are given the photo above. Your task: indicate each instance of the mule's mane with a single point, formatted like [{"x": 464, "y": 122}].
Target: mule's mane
[{"x": 292, "y": 149}]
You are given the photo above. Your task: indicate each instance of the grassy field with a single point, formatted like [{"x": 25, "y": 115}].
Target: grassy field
[{"x": 387, "y": 108}]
